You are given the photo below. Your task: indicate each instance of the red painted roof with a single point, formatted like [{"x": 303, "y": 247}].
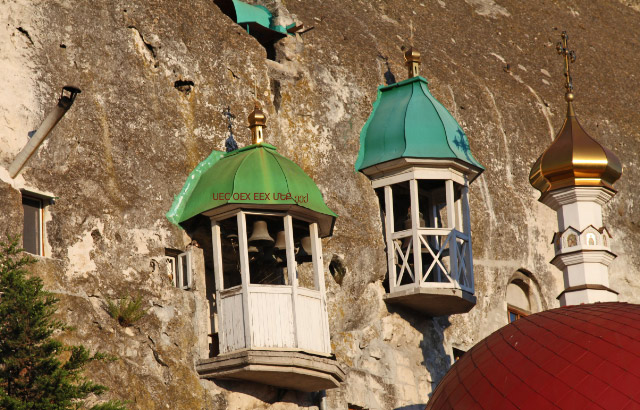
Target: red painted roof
[{"x": 577, "y": 357}]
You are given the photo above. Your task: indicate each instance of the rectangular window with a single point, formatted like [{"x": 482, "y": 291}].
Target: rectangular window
[
  {"x": 179, "y": 266},
  {"x": 515, "y": 313},
  {"x": 32, "y": 233}
]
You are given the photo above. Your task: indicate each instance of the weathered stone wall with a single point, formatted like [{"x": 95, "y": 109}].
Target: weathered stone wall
[{"x": 126, "y": 146}]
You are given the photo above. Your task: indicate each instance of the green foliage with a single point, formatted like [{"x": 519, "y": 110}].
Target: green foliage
[
  {"x": 127, "y": 310},
  {"x": 32, "y": 374}
]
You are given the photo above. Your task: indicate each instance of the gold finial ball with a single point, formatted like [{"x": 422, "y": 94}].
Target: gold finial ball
[
  {"x": 257, "y": 117},
  {"x": 412, "y": 55},
  {"x": 569, "y": 97}
]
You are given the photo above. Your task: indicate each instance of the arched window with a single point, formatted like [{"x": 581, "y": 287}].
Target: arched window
[{"x": 522, "y": 296}]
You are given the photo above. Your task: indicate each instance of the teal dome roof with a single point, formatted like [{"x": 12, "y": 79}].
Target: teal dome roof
[
  {"x": 408, "y": 122},
  {"x": 253, "y": 175}
]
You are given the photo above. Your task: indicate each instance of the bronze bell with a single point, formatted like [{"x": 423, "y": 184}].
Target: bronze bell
[
  {"x": 252, "y": 249},
  {"x": 260, "y": 234},
  {"x": 280, "y": 244},
  {"x": 304, "y": 253}
]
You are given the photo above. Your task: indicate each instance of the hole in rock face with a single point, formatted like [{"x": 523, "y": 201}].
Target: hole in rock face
[
  {"x": 26, "y": 34},
  {"x": 337, "y": 269},
  {"x": 96, "y": 235},
  {"x": 184, "y": 86},
  {"x": 277, "y": 96}
]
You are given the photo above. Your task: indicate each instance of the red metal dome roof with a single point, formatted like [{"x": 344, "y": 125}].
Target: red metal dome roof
[{"x": 576, "y": 357}]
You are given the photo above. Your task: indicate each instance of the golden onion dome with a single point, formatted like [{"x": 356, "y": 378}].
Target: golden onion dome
[{"x": 574, "y": 159}]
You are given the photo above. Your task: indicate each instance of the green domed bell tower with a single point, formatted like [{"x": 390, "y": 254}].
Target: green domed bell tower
[{"x": 420, "y": 164}]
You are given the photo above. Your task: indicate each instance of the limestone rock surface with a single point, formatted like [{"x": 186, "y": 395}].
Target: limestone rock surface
[{"x": 155, "y": 78}]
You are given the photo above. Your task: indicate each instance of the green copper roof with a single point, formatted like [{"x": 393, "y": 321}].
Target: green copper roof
[
  {"x": 247, "y": 176},
  {"x": 408, "y": 122},
  {"x": 256, "y": 19}
]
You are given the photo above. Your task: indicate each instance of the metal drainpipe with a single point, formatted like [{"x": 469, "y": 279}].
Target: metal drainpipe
[{"x": 64, "y": 103}]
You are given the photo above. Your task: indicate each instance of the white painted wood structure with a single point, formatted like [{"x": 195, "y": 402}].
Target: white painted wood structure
[
  {"x": 276, "y": 334},
  {"x": 430, "y": 262},
  {"x": 258, "y": 316}
]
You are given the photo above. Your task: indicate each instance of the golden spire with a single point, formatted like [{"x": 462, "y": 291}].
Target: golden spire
[
  {"x": 412, "y": 61},
  {"x": 412, "y": 57},
  {"x": 574, "y": 158},
  {"x": 257, "y": 121}
]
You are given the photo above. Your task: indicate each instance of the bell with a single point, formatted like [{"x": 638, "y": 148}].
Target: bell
[
  {"x": 252, "y": 249},
  {"x": 304, "y": 253},
  {"x": 280, "y": 245},
  {"x": 260, "y": 234}
]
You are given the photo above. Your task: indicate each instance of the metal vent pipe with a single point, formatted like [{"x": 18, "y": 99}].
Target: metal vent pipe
[{"x": 64, "y": 103}]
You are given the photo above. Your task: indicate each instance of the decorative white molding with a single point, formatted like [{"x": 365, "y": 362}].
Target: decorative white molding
[
  {"x": 583, "y": 255},
  {"x": 556, "y": 199},
  {"x": 427, "y": 165}
]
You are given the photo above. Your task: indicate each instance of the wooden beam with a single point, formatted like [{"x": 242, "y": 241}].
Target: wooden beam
[
  {"x": 415, "y": 224},
  {"x": 293, "y": 275},
  {"x": 318, "y": 279},
  {"x": 466, "y": 223},
  {"x": 389, "y": 228},
  {"x": 219, "y": 278},
  {"x": 451, "y": 222},
  {"x": 244, "y": 274}
]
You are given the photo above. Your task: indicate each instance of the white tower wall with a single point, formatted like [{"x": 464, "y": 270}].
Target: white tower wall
[{"x": 582, "y": 245}]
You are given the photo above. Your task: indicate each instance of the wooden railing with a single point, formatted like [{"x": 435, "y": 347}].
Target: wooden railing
[
  {"x": 445, "y": 259},
  {"x": 275, "y": 321}
]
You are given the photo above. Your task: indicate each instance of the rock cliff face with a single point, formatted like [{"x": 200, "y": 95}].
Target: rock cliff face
[{"x": 155, "y": 78}]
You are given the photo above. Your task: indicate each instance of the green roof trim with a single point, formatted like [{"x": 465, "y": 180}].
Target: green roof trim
[
  {"x": 179, "y": 201},
  {"x": 247, "y": 176},
  {"x": 408, "y": 122}
]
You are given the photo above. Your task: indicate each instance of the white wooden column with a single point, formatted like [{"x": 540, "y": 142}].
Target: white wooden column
[
  {"x": 244, "y": 274},
  {"x": 415, "y": 225},
  {"x": 466, "y": 224},
  {"x": 451, "y": 221},
  {"x": 459, "y": 219},
  {"x": 318, "y": 280},
  {"x": 389, "y": 228},
  {"x": 293, "y": 275},
  {"x": 316, "y": 257},
  {"x": 218, "y": 275}
]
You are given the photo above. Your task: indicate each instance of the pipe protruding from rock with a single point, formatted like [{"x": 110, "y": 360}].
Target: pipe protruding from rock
[{"x": 67, "y": 97}]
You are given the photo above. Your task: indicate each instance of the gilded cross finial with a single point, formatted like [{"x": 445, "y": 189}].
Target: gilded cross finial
[
  {"x": 569, "y": 57},
  {"x": 411, "y": 30}
]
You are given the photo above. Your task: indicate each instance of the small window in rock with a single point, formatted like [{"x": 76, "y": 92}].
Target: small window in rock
[
  {"x": 337, "y": 269},
  {"x": 179, "y": 268},
  {"x": 33, "y": 229}
]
